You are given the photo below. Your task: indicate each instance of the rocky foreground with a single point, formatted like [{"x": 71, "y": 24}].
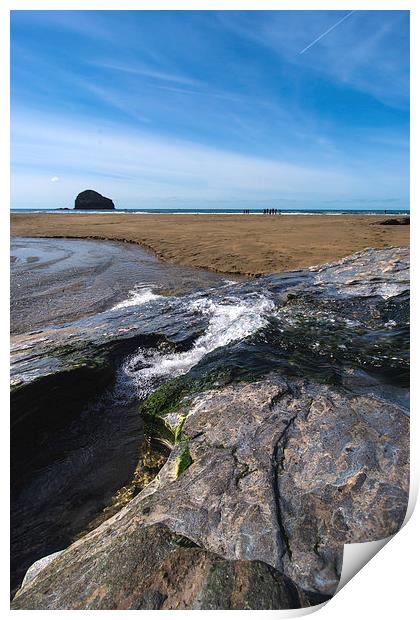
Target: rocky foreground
[{"x": 267, "y": 478}]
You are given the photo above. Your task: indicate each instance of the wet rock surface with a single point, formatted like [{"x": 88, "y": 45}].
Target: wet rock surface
[{"x": 287, "y": 441}]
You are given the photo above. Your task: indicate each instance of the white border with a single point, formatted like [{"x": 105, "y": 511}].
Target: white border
[{"x": 386, "y": 586}]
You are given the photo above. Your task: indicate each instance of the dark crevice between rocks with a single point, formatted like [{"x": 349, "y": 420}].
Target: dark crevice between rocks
[
  {"x": 65, "y": 417},
  {"x": 49, "y": 402},
  {"x": 153, "y": 456},
  {"x": 277, "y": 467},
  {"x": 185, "y": 543}
]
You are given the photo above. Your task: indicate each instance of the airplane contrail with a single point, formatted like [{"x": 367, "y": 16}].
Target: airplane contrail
[{"x": 321, "y": 36}]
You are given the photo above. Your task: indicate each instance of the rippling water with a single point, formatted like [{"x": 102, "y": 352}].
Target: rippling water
[{"x": 58, "y": 280}]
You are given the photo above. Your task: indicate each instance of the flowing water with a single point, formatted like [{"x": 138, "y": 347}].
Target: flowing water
[
  {"x": 202, "y": 329},
  {"x": 58, "y": 280}
]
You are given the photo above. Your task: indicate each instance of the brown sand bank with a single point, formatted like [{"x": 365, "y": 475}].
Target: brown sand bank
[{"x": 247, "y": 244}]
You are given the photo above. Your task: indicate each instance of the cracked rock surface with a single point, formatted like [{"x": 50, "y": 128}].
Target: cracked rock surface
[{"x": 282, "y": 472}]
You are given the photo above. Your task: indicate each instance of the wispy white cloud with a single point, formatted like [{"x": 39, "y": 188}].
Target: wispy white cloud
[
  {"x": 115, "y": 98},
  {"x": 147, "y": 72},
  {"x": 158, "y": 167},
  {"x": 169, "y": 81}
]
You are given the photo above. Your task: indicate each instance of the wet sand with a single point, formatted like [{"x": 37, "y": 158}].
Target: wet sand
[{"x": 245, "y": 244}]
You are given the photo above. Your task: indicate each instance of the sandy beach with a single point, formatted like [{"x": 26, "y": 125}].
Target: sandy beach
[{"x": 245, "y": 244}]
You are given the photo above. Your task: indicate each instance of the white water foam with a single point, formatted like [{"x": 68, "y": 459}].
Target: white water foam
[
  {"x": 230, "y": 282},
  {"x": 234, "y": 319},
  {"x": 138, "y": 296}
]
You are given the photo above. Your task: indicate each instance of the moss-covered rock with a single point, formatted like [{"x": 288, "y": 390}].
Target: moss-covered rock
[
  {"x": 179, "y": 391},
  {"x": 184, "y": 460}
]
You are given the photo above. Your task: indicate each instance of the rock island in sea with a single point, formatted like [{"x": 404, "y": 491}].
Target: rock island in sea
[
  {"x": 189, "y": 441},
  {"x": 89, "y": 200}
]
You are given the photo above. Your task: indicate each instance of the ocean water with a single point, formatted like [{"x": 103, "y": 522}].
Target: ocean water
[{"x": 223, "y": 211}]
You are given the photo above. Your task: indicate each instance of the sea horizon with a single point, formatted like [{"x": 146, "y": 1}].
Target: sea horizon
[{"x": 221, "y": 211}]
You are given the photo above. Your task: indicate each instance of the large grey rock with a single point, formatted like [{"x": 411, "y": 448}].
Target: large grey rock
[
  {"x": 367, "y": 273},
  {"x": 287, "y": 472},
  {"x": 343, "y": 478},
  {"x": 283, "y": 472},
  {"x": 90, "y": 200}
]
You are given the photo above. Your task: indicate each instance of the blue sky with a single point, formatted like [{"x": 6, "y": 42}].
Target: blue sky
[{"x": 208, "y": 108}]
